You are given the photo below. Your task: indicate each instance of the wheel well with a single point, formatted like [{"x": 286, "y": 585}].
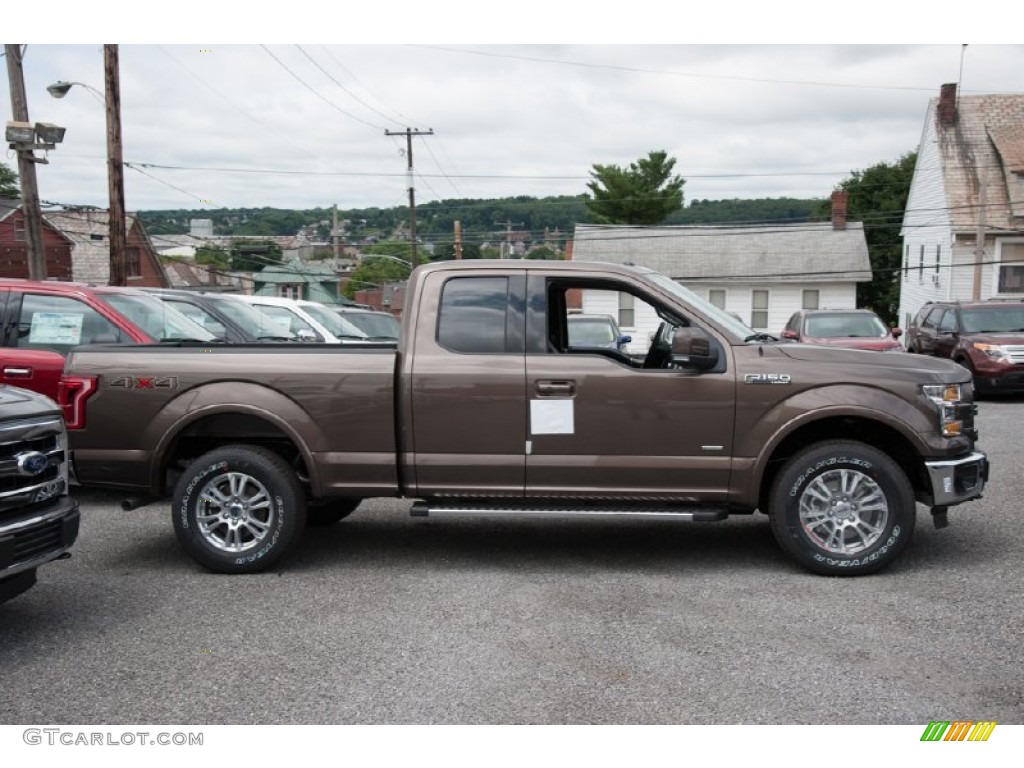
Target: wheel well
[
  {"x": 222, "y": 429},
  {"x": 873, "y": 433}
]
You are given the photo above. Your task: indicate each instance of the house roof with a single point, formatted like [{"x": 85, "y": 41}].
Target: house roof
[
  {"x": 812, "y": 252},
  {"x": 983, "y": 146}
]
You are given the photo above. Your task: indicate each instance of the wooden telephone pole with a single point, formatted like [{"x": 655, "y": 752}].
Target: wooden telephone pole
[
  {"x": 115, "y": 168},
  {"x": 409, "y": 133},
  {"x": 26, "y": 169}
]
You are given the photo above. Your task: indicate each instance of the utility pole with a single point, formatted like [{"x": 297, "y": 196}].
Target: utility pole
[
  {"x": 115, "y": 168},
  {"x": 409, "y": 133},
  {"x": 458, "y": 240},
  {"x": 508, "y": 236},
  {"x": 334, "y": 234},
  {"x": 26, "y": 168}
]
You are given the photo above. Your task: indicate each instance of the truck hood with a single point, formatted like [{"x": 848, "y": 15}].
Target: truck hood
[
  {"x": 876, "y": 364},
  {"x": 20, "y": 403}
]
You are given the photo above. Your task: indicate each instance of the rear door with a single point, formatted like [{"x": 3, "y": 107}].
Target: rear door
[{"x": 465, "y": 399}]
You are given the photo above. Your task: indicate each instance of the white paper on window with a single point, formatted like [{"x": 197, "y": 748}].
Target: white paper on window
[{"x": 56, "y": 328}]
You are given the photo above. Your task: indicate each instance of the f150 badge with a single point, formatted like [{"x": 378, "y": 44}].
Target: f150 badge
[
  {"x": 767, "y": 378},
  {"x": 144, "y": 382}
]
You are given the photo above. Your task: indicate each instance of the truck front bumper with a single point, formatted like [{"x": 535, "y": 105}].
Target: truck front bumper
[
  {"x": 37, "y": 536},
  {"x": 954, "y": 481}
]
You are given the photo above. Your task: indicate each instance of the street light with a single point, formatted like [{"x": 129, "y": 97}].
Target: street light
[{"x": 115, "y": 163}]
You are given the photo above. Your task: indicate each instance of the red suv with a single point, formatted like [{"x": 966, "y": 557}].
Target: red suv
[
  {"x": 986, "y": 337},
  {"x": 42, "y": 320}
]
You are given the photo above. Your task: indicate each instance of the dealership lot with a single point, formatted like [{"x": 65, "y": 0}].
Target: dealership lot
[{"x": 389, "y": 619}]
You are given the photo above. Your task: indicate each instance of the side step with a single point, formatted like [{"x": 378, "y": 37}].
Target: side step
[{"x": 685, "y": 514}]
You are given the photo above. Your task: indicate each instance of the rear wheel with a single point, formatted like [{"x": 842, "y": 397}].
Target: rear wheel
[
  {"x": 842, "y": 509},
  {"x": 238, "y": 509}
]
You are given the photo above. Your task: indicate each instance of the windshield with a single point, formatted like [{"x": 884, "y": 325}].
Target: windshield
[
  {"x": 727, "y": 321},
  {"x": 332, "y": 321},
  {"x": 252, "y": 320},
  {"x": 157, "y": 318},
  {"x": 857, "y": 325},
  {"x": 993, "y": 319},
  {"x": 591, "y": 330},
  {"x": 377, "y": 325}
]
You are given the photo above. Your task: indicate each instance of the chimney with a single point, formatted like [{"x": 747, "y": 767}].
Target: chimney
[
  {"x": 568, "y": 250},
  {"x": 947, "y": 105},
  {"x": 839, "y": 199}
]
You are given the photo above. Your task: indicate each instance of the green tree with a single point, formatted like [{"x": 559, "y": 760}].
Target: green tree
[
  {"x": 446, "y": 251},
  {"x": 644, "y": 193},
  {"x": 213, "y": 255},
  {"x": 9, "y": 185},
  {"x": 374, "y": 272},
  {"x": 254, "y": 255},
  {"x": 878, "y": 197},
  {"x": 543, "y": 252}
]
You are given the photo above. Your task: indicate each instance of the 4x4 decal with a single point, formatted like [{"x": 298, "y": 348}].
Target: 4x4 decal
[{"x": 144, "y": 382}]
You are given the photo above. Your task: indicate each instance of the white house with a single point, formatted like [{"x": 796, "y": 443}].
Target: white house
[
  {"x": 969, "y": 179},
  {"x": 761, "y": 273}
]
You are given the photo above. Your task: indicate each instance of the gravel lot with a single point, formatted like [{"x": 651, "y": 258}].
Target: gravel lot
[{"x": 389, "y": 619}]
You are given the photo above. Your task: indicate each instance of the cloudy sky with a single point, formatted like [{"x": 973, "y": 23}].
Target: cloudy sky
[{"x": 300, "y": 125}]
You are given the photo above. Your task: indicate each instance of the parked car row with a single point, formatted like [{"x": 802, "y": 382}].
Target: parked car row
[{"x": 850, "y": 328}]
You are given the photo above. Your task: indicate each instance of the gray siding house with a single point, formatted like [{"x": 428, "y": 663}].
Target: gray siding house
[{"x": 762, "y": 273}]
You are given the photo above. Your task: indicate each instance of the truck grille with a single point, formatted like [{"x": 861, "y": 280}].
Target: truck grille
[
  {"x": 33, "y": 463},
  {"x": 1015, "y": 353}
]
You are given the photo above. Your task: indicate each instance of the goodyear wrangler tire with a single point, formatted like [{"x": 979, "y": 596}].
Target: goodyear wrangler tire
[
  {"x": 842, "y": 509},
  {"x": 238, "y": 509}
]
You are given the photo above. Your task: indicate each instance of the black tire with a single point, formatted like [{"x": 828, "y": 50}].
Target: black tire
[
  {"x": 324, "y": 512},
  {"x": 842, "y": 508},
  {"x": 238, "y": 509}
]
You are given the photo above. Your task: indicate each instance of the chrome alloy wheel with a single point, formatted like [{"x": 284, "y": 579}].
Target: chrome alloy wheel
[
  {"x": 843, "y": 511},
  {"x": 235, "y": 512}
]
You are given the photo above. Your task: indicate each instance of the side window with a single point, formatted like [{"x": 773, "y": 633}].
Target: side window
[
  {"x": 931, "y": 318},
  {"x": 59, "y": 323},
  {"x": 948, "y": 322},
  {"x": 810, "y": 298},
  {"x": 473, "y": 315}
]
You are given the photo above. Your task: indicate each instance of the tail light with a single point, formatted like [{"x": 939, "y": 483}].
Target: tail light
[{"x": 71, "y": 396}]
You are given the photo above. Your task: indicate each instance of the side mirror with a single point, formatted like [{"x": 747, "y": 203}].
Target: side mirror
[
  {"x": 789, "y": 333},
  {"x": 305, "y": 334},
  {"x": 692, "y": 348},
  {"x": 897, "y": 332},
  {"x": 625, "y": 339}
]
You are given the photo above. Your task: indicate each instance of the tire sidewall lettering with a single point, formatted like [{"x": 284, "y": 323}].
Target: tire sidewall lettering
[{"x": 186, "y": 497}]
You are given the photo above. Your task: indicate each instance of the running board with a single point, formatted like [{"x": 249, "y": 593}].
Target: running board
[{"x": 686, "y": 514}]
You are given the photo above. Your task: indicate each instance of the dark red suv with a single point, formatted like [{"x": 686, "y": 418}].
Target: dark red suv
[
  {"x": 986, "y": 337},
  {"x": 42, "y": 320}
]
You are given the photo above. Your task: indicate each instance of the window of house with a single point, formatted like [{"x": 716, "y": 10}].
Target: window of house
[
  {"x": 19, "y": 232},
  {"x": 920, "y": 264},
  {"x": 132, "y": 266},
  {"x": 627, "y": 310},
  {"x": 906, "y": 260},
  {"x": 1011, "y": 268},
  {"x": 290, "y": 291},
  {"x": 717, "y": 297},
  {"x": 938, "y": 256},
  {"x": 759, "y": 309},
  {"x": 810, "y": 298},
  {"x": 473, "y": 315}
]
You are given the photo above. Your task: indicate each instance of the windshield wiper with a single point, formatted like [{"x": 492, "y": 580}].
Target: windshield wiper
[{"x": 760, "y": 337}]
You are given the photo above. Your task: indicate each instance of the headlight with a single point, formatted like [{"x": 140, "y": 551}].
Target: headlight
[
  {"x": 946, "y": 398},
  {"x": 995, "y": 351}
]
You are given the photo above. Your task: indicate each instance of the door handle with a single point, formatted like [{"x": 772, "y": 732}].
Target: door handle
[
  {"x": 561, "y": 388},
  {"x": 18, "y": 373}
]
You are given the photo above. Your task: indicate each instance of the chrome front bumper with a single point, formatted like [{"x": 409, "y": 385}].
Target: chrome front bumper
[{"x": 954, "y": 481}]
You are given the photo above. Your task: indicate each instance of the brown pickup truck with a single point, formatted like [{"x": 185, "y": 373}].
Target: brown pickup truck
[{"x": 485, "y": 408}]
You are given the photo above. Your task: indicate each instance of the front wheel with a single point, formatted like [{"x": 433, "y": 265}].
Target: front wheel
[
  {"x": 238, "y": 509},
  {"x": 842, "y": 509}
]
